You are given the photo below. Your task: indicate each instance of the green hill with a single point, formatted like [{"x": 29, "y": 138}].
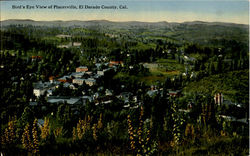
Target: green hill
[{"x": 234, "y": 85}]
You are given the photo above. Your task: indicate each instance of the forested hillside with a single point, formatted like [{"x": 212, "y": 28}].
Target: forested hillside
[{"x": 124, "y": 88}]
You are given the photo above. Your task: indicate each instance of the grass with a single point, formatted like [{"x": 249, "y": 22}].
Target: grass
[
  {"x": 209, "y": 145},
  {"x": 142, "y": 46},
  {"x": 149, "y": 80},
  {"x": 219, "y": 146},
  {"x": 161, "y": 69},
  {"x": 52, "y": 39},
  {"x": 170, "y": 65}
]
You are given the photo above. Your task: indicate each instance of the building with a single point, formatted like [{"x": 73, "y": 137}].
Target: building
[
  {"x": 77, "y": 44},
  {"x": 113, "y": 63},
  {"x": 77, "y": 75},
  {"x": 36, "y": 58},
  {"x": 82, "y": 69},
  {"x": 66, "y": 85},
  {"x": 86, "y": 99},
  {"x": 68, "y": 100},
  {"x": 39, "y": 91},
  {"x": 78, "y": 81},
  {"x": 152, "y": 93},
  {"x": 40, "y": 88},
  {"x": 174, "y": 93},
  {"x": 72, "y": 86},
  {"x": 89, "y": 73},
  {"x": 49, "y": 92},
  {"x": 65, "y": 79},
  {"x": 98, "y": 66},
  {"x": 108, "y": 92},
  {"x": 90, "y": 81},
  {"x": 125, "y": 96},
  {"x": 51, "y": 79},
  {"x": 100, "y": 72}
]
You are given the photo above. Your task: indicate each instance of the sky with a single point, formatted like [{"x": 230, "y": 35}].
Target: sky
[{"x": 231, "y": 11}]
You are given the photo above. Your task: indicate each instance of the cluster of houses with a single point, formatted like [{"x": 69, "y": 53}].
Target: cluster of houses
[
  {"x": 72, "y": 80},
  {"x": 81, "y": 76}
]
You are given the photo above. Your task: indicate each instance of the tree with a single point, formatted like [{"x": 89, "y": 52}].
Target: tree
[
  {"x": 173, "y": 55},
  {"x": 168, "y": 83},
  {"x": 27, "y": 117},
  {"x": 202, "y": 67},
  {"x": 63, "y": 113},
  {"x": 219, "y": 66},
  {"x": 197, "y": 65},
  {"x": 212, "y": 69}
]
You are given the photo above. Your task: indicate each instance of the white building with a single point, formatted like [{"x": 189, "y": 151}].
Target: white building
[
  {"x": 100, "y": 72},
  {"x": 78, "y": 81},
  {"x": 40, "y": 88},
  {"x": 89, "y": 81},
  {"x": 39, "y": 91}
]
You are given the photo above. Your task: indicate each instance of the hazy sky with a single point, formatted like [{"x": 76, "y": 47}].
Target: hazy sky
[{"x": 233, "y": 11}]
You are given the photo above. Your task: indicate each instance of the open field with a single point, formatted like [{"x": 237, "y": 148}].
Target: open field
[{"x": 161, "y": 69}]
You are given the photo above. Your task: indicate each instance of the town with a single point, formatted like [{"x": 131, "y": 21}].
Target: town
[{"x": 123, "y": 88}]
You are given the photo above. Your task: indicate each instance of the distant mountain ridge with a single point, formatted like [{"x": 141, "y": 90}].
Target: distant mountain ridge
[{"x": 106, "y": 23}]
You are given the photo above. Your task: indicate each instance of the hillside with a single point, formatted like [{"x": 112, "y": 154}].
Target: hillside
[
  {"x": 204, "y": 33},
  {"x": 234, "y": 85}
]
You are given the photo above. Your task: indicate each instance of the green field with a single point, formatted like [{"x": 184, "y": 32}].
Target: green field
[
  {"x": 161, "y": 69},
  {"x": 158, "y": 71}
]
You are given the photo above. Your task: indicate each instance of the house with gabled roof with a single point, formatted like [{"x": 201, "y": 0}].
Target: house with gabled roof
[{"x": 82, "y": 69}]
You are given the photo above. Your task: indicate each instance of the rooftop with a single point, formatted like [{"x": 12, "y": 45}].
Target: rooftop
[
  {"x": 62, "y": 100},
  {"x": 82, "y": 67},
  {"x": 42, "y": 85}
]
